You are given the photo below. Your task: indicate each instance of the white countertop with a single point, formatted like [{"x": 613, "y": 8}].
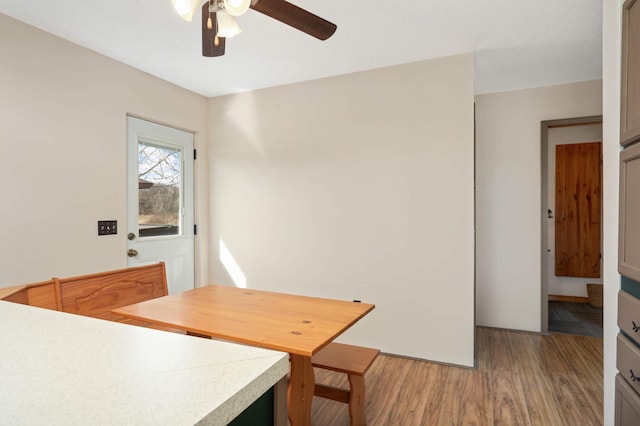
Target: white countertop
[{"x": 64, "y": 369}]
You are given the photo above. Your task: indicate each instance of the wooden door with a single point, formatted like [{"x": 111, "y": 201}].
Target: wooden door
[{"x": 578, "y": 209}]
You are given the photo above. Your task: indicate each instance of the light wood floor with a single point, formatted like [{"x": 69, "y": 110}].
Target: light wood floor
[{"x": 521, "y": 379}]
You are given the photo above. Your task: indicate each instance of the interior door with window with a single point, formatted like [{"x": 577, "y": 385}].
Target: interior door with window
[{"x": 160, "y": 200}]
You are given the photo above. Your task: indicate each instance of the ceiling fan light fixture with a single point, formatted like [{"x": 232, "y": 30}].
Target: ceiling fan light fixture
[
  {"x": 227, "y": 25},
  {"x": 186, "y": 8},
  {"x": 236, "y": 7}
]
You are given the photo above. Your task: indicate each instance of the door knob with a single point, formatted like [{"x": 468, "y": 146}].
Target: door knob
[
  {"x": 132, "y": 253},
  {"x": 131, "y": 236}
]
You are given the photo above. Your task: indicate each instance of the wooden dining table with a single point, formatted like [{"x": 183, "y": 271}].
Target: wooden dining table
[{"x": 299, "y": 325}]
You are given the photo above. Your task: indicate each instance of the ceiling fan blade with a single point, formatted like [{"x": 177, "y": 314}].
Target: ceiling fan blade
[
  {"x": 209, "y": 47},
  {"x": 296, "y": 17}
]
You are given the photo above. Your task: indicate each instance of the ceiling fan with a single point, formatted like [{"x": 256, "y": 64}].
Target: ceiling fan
[{"x": 218, "y": 21}]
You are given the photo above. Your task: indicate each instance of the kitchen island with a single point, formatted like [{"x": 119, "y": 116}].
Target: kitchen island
[{"x": 63, "y": 369}]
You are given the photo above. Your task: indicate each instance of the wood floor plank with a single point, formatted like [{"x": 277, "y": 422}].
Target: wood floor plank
[
  {"x": 497, "y": 354},
  {"x": 576, "y": 408},
  {"x": 555, "y": 360},
  {"x": 380, "y": 376},
  {"x": 509, "y": 402},
  {"x": 419, "y": 395},
  {"x": 542, "y": 404},
  {"x": 464, "y": 399},
  {"x": 581, "y": 362},
  {"x": 521, "y": 379},
  {"x": 438, "y": 379}
]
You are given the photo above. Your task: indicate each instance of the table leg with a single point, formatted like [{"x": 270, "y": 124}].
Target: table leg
[{"x": 300, "y": 392}]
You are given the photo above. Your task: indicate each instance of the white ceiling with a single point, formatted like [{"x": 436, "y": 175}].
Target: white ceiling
[{"x": 517, "y": 43}]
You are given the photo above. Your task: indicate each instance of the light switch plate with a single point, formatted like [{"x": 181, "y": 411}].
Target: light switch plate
[{"x": 107, "y": 227}]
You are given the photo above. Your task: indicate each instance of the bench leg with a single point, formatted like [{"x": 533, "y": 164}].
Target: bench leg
[{"x": 357, "y": 416}]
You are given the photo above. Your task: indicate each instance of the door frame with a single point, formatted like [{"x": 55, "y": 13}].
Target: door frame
[{"x": 544, "y": 167}]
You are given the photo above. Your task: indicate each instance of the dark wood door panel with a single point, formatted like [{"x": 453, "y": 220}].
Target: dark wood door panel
[{"x": 578, "y": 210}]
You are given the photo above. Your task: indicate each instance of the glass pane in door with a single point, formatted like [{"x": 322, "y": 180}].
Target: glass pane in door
[{"x": 159, "y": 189}]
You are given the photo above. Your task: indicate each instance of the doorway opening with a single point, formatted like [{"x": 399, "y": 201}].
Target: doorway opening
[{"x": 571, "y": 225}]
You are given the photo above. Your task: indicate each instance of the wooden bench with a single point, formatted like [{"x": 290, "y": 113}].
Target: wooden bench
[
  {"x": 353, "y": 361},
  {"x": 95, "y": 295},
  {"x": 44, "y": 294}
]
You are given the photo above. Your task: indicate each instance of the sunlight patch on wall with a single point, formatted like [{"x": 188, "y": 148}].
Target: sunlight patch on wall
[
  {"x": 232, "y": 267},
  {"x": 242, "y": 112}
]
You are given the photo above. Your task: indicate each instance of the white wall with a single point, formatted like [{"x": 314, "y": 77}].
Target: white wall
[
  {"x": 356, "y": 187},
  {"x": 566, "y": 286},
  {"x": 508, "y": 194},
  {"x": 611, "y": 34},
  {"x": 63, "y": 139}
]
